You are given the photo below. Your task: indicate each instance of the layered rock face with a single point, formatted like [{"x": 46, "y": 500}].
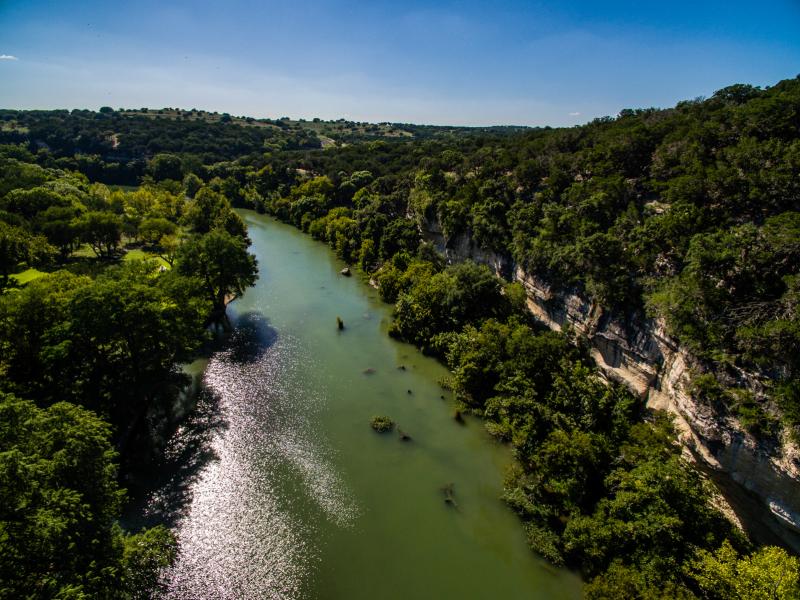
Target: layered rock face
[{"x": 760, "y": 482}]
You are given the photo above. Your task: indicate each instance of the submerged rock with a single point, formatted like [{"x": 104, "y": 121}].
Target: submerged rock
[{"x": 449, "y": 494}]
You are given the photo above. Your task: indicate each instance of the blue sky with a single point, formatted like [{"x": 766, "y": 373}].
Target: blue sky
[{"x": 472, "y": 63}]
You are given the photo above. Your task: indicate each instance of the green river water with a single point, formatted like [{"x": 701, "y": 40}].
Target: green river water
[{"x": 292, "y": 495}]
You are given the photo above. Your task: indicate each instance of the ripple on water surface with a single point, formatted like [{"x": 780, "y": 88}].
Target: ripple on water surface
[{"x": 248, "y": 531}]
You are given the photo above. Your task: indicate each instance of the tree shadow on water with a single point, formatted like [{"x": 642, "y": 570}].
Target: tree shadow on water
[
  {"x": 161, "y": 489},
  {"x": 251, "y": 337},
  {"x": 160, "y": 492}
]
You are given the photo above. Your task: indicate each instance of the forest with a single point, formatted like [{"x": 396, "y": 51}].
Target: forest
[{"x": 688, "y": 214}]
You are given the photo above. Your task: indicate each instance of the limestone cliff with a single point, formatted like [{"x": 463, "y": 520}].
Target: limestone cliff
[{"x": 759, "y": 481}]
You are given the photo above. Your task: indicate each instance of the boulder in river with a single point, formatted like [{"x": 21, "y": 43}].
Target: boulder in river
[{"x": 345, "y": 271}]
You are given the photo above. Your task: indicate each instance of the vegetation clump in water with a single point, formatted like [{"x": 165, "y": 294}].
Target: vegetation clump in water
[{"x": 382, "y": 424}]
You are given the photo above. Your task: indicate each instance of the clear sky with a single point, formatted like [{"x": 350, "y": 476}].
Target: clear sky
[{"x": 473, "y": 63}]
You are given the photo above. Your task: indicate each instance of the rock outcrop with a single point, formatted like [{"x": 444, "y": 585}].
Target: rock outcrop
[
  {"x": 639, "y": 353},
  {"x": 759, "y": 481}
]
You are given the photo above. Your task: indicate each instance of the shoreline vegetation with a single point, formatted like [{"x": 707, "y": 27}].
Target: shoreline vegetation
[
  {"x": 91, "y": 345},
  {"x": 689, "y": 213}
]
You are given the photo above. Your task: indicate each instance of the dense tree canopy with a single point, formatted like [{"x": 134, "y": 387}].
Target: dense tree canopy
[
  {"x": 59, "y": 498},
  {"x": 687, "y": 213}
]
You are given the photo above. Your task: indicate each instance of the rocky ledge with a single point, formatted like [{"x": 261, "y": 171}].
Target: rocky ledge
[{"x": 759, "y": 482}]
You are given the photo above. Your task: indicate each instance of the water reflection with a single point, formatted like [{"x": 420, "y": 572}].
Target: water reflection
[
  {"x": 171, "y": 477},
  {"x": 248, "y": 480},
  {"x": 187, "y": 452}
]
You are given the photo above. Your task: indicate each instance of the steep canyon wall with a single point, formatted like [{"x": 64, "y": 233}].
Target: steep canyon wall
[{"x": 759, "y": 481}]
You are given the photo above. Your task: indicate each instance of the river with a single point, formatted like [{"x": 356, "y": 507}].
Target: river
[{"x": 278, "y": 488}]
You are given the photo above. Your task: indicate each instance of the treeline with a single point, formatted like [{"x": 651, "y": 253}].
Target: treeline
[
  {"x": 113, "y": 147},
  {"x": 345, "y": 132},
  {"x": 90, "y": 355}
]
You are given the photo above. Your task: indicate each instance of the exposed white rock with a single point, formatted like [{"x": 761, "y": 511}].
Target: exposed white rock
[{"x": 640, "y": 354}]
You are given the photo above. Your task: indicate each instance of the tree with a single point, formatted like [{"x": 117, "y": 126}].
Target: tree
[
  {"x": 168, "y": 248},
  {"x": 191, "y": 184},
  {"x": 17, "y": 246},
  {"x": 122, "y": 343},
  {"x": 153, "y": 229},
  {"x": 166, "y": 166},
  {"x": 655, "y": 513},
  {"x": 16, "y": 174},
  {"x": 145, "y": 555},
  {"x": 102, "y": 231},
  {"x": 623, "y": 582},
  {"x": 25, "y": 319},
  {"x": 59, "y": 499},
  {"x": 57, "y": 507},
  {"x": 769, "y": 573},
  {"x": 461, "y": 294},
  {"x": 29, "y": 203},
  {"x": 116, "y": 339},
  {"x": 223, "y": 265},
  {"x": 209, "y": 210},
  {"x": 400, "y": 235},
  {"x": 58, "y": 225}
]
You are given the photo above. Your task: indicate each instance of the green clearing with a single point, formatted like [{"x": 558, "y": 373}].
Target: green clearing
[
  {"x": 139, "y": 254},
  {"x": 26, "y": 276},
  {"x": 85, "y": 251}
]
